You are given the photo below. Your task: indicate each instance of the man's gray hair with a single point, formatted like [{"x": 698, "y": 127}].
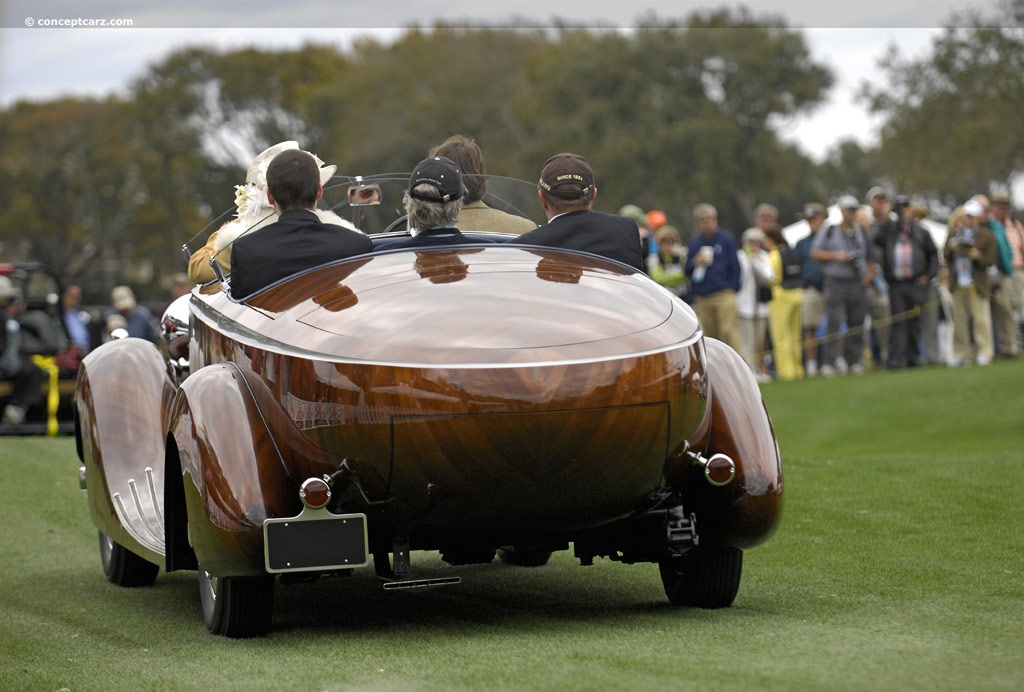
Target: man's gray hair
[
  {"x": 704, "y": 209},
  {"x": 765, "y": 207},
  {"x": 429, "y": 213}
]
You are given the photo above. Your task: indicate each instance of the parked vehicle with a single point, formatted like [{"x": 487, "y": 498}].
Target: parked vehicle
[{"x": 473, "y": 400}]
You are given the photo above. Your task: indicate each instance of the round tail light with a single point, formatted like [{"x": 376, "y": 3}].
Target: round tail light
[
  {"x": 720, "y": 470},
  {"x": 315, "y": 493}
]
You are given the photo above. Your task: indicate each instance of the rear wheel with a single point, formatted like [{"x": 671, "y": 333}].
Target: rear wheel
[
  {"x": 703, "y": 578},
  {"x": 123, "y": 567},
  {"x": 236, "y": 607}
]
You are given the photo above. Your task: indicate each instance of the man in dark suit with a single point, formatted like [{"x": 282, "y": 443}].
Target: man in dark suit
[
  {"x": 567, "y": 194},
  {"x": 298, "y": 240},
  {"x": 433, "y": 202}
]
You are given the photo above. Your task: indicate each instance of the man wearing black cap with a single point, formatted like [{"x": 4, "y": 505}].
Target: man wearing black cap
[
  {"x": 298, "y": 240},
  {"x": 567, "y": 194},
  {"x": 433, "y": 202}
]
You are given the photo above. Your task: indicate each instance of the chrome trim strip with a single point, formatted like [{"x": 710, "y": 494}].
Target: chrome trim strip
[
  {"x": 151, "y": 482},
  {"x": 141, "y": 510}
]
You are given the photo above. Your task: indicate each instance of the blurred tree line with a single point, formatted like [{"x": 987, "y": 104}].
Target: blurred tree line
[{"x": 672, "y": 113}]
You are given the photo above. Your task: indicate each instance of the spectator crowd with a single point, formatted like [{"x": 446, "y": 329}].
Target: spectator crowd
[{"x": 872, "y": 289}]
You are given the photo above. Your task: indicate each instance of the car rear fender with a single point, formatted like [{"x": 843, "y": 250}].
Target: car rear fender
[
  {"x": 746, "y": 511},
  {"x": 238, "y": 465},
  {"x": 123, "y": 398}
]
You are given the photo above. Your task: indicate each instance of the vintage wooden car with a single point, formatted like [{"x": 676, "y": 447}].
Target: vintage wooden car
[{"x": 465, "y": 400}]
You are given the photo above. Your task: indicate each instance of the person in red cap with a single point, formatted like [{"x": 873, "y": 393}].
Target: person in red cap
[{"x": 567, "y": 193}]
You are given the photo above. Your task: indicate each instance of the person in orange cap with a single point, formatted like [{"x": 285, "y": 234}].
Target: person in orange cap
[{"x": 656, "y": 219}]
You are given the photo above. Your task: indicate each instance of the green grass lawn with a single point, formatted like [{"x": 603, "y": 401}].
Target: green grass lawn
[{"x": 899, "y": 565}]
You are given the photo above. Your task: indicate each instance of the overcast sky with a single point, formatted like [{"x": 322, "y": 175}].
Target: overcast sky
[{"x": 40, "y": 62}]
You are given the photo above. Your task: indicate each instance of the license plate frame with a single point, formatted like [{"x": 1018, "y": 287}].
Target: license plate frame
[{"x": 316, "y": 540}]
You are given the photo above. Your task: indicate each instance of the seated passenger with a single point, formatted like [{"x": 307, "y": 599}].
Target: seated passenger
[
  {"x": 475, "y": 215},
  {"x": 567, "y": 194},
  {"x": 253, "y": 212},
  {"x": 433, "y": 202},
  {"x": 298, "y": 240}
]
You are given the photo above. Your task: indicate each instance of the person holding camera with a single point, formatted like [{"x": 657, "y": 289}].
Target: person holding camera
[
  {"x": 713, "y": 267},
  {"x": 969, "y": 252},
  {"x": 847, "y": 261},
  {"x": 909, "y": 261}
]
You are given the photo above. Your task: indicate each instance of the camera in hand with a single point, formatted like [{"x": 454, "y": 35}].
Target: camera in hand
[{"x": 964, "y": 236}]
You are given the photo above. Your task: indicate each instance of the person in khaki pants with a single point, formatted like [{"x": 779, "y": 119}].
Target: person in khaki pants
[
  {"x": 1010, "y": 295},
  {"x": 969, "y": 251}
]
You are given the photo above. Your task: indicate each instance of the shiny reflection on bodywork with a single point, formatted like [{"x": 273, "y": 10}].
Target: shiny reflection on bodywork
[{"x": 397, "y": 316}]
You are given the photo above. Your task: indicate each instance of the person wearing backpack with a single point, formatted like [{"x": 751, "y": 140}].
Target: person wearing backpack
[
  {"x": 847, "y": 259},
  {"x": 785, "y": 322}
]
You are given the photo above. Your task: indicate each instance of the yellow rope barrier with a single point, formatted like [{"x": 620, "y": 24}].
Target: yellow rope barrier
[
  {"x": 885, "y": 321},
  {"x": 48, "y": 364}
]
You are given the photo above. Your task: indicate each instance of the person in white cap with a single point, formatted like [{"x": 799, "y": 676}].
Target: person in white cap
[
  {"x": 969, "y": 251},
  {"x": 847, "y": 260},
  {"x": 138, "y": 320}
]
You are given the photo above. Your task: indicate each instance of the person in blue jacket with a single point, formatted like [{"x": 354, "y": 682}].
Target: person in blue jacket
[{"x": 713, "y": 268}]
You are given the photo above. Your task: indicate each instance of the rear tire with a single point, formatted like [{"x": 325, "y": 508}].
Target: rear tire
[
  {"x": 703, "y": 578},
  {"x": 123, "y": 567},
  {"x": 237, "y": 607}
]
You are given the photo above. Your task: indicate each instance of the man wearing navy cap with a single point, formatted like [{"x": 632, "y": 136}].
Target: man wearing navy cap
[
  {"x": 433, "y": 202},
  {"x": 567, "y": 193}
]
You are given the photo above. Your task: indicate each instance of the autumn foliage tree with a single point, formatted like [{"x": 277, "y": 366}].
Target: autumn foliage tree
[{"x": 671, "y": 113}]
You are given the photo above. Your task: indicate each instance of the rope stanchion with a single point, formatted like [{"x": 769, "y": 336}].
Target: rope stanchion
[
  {"x": 49, "y": 364},
  {"x": 885, "y": 321}
]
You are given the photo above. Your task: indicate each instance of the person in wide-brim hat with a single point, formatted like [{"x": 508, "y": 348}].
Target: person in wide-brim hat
[{"x": 253, "y": 211}]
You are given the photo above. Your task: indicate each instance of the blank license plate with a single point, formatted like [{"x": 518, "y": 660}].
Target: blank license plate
[{"x": 315, "y": 540}]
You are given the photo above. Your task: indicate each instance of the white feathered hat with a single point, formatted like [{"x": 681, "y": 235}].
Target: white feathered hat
[{"x": 251, "y": 199}]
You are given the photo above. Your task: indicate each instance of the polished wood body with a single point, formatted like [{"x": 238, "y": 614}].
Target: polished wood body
[{"x": 480, "y": 395}]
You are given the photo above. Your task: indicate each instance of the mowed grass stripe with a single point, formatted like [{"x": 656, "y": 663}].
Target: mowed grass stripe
[{"x": 898, "y": 566}]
